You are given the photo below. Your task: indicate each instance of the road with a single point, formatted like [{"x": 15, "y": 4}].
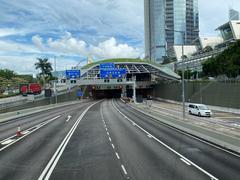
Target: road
[{"x": 107, "y": 140}]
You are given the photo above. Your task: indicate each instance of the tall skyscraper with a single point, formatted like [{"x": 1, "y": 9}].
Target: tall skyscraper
[
  {"x": 233, "y": 15},
  {"x": 163, "y": 21}
]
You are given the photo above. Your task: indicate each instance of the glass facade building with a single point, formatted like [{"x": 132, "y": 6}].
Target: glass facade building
[
  {"x": 164, "y": 22},
  {"x": 233, "y": 15}
]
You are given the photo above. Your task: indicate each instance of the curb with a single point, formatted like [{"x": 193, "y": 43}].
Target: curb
[{"x": 199, "y": 135}]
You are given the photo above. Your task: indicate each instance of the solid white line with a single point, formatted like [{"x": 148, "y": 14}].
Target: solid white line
[
  {"x": 53, "y": 161},
  {"x": 117, "y": 155},
  {"x": 124, "y": 170},
  {"x": 38, "y": 127},
  {"x": 25, "y": 132},
  {"x": 113, "y": 146},
  {"x": 185, "y": 161},
  {"x": 168, "y": 147},
  {"x": 110, "y": 139}
]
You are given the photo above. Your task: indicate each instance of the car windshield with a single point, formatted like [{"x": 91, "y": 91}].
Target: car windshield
[{"x": 203, "y": 107}]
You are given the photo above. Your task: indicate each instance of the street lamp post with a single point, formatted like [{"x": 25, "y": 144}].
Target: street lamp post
[
  {"x": 55, "y": 89},
  {"x": 183, "y": 84}
]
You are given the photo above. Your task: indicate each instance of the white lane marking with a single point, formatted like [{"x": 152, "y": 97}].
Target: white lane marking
[
  {"x": 53, "y": 161},
  {"x": 110, "y": 139},
  {"x": 25, "y": 132},
  {"x": 113, "y": 146},
  {"x": 168, "y": 147},
  {"x": 7, "y": 141},
  {"x": 122, "y": 100},
  {"x": 194, "y": 137},
  {"x": 106, "y": 129},
  {"x": 35, "y": 128},
  {"x": 149, "y": 135},
  {"x": 68, "y": 118},
  {"x": 117, "y": 155},
  {"x": 185, "y": 161},
  {"x": 124, "y": 170},
  {"x": 108, "y": 134}
]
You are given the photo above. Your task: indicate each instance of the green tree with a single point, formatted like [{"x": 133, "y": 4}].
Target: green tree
[
  {"x": 7, "y": 74},
  {"x": 46, "y": 69},
  {"x": 228, "y": 63}
]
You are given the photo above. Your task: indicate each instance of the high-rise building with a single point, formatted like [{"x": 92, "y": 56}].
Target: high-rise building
[
  {"x": 164, "y": 22},
  {"x": 233, "y": 15}
]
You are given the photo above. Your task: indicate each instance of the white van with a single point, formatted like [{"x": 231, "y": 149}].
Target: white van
[{"x": 199, "y": 109}]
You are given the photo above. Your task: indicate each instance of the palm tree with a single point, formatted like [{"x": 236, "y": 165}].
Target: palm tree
[{"x": 45, "y": 67}]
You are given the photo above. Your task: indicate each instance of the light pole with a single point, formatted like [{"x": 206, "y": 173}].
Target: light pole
[
  {"x": 183, "y": 84},
  {"x": 54, "y": 84}
]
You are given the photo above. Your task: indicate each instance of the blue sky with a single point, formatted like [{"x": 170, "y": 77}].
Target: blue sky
[{"x": 75, "y": 29}]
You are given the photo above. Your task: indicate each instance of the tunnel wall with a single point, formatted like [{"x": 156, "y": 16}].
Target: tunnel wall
[{"x": 225, "y": 94}]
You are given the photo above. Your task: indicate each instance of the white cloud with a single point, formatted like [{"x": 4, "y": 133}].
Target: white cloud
[
  {"x": 10, "y": 31},
  {"x": 13, "y": 47},
  {"x": 73, "y": 46},
  {"x": 25, "y": 64},
  {"x": 101, "y": 17},
  {"x": 110, "y": 49},
  {"x": 37, "y": 41},
  {"x": 67, "y": 44}
]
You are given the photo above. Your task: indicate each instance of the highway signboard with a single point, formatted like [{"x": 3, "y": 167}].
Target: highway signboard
[
  {"x": 73, "y": 74},
  {"x": 107, "y": 66},
  {"x": 113, "y": 73}
]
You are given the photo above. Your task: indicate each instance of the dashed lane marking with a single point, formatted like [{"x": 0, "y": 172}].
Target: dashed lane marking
[
  {"x": 124, "y": 170},
  {"x": 113, "y": 146},
  {"x": 117, "y": 155}
]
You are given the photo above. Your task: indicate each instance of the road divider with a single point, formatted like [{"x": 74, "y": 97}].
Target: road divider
[{"x": 20, "y": 135}]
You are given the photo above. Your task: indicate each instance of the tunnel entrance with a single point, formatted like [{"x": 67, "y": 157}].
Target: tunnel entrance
[{"x": 112, "y": 93}]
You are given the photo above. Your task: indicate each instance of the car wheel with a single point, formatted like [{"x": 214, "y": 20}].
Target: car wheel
[
  {"x": 199, "y": 114},
  {"x": 190, "y": 112}
]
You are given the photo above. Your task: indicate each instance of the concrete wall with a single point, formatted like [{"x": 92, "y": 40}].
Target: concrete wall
[
  {"x": 61, "y": 98},
  {"x": 223, "y": 94}
]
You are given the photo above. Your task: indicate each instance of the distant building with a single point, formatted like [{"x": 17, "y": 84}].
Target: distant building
[
  {"x": 176, "y": 51},
  {"x": 164, "y": 22},
  {"x": 230, "y": 31},
  {"x": 233, "y": 15},
  {"x": 203, "y": 42}
]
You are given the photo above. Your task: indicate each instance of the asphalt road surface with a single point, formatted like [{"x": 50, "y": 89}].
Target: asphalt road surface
[{"x": 106, "y": 140}]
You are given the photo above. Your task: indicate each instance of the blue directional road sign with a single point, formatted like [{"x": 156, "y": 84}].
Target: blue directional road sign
[
  {"x": 73, "y": 74},
  {"x": 79, "y": 93},
  {"x": 112, "y": 73},
  {"x": 107, "y": 66}
]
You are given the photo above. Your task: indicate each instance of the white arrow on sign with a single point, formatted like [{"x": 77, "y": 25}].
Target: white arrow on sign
[{"x": 69, "y": 117}]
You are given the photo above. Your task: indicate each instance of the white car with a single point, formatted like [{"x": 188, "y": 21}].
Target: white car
[{"x": 199, "y": 109}]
